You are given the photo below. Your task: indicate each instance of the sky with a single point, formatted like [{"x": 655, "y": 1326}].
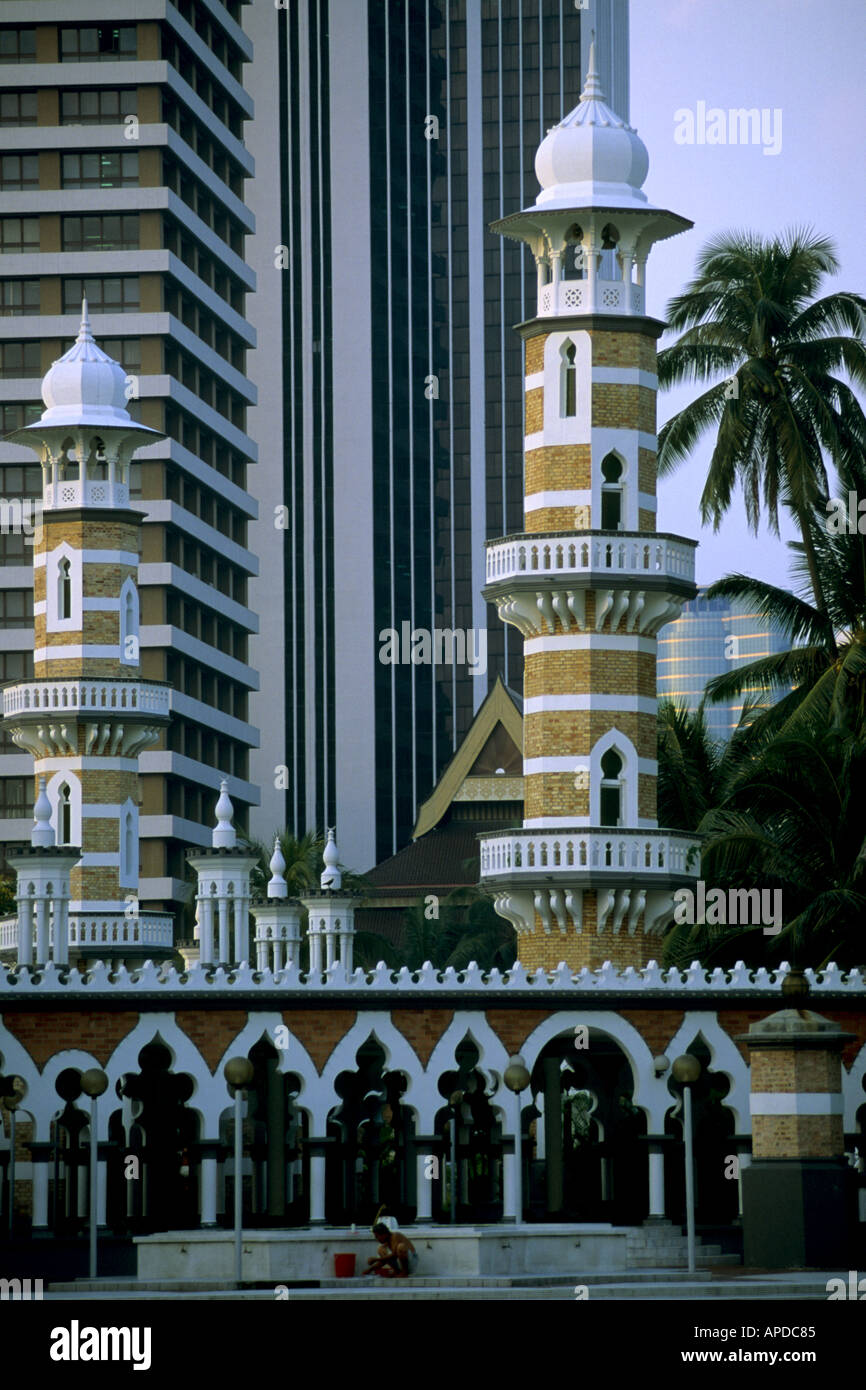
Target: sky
[{"x": 804, "y": 59}]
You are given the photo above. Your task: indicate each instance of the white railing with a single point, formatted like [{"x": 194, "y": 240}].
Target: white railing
[
  {"x": 113, "y": 931},
  {"x": 530, "y": 852},
  {"x": 93, "y": 492},
  {"x": 577, "y": 297},
  {"x": 628, "y": 553},
  {"x": 95, "y": 696}
]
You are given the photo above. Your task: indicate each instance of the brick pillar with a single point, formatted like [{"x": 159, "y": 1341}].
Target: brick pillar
[{"x": 799, "y": 1201}]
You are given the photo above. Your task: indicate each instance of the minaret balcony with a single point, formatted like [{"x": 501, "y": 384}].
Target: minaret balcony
[
  {"x": 591, "y": 296},
  {"x": 85, "y": 492},
  {"x": 590, "y": 855},
  {"x": 587, "y": 556},
  {"x": 96, "y": 697}
]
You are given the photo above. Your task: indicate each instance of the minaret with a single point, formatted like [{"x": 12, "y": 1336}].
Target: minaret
[
  {"x": 223, "y": 898},
  {"x": 87, "y": 714},
  {"x": 590, "y": 580},
  {"x": 331, "y": 916}
]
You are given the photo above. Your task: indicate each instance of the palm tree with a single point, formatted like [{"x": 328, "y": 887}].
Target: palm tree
[
  {"x": 824, "y": 679},
  {"x": 750, "y": 317}
]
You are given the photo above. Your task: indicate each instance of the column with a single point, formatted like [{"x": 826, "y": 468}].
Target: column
[
  {"x": 330, "y": 942},
  {"x": 261, "y": 949},
  {"x": 25, "y": 928},
  {"x": 425, "y": 1148},
  {"x": 556, "y": 261},
  {"x": 315, "y": 936},
  {"x": 205, "y": 928},
  {"x": 40, "y": 1157},
  {"x": 553, "y": 1133},
  {"x": 242, "y": 935},
  {"x": 276, "y": 1159},
  {"x": 347, "y": 947},
  {"x": 317, "y": 1188},
  {"x": 61, "y": 930},
  {"x": 101, "y": 1185},
  {"x": 745, "y": 1159},
  {"x": 209, "y": 1187},
  {"x": 223, "y": 910},
  {"x": 656, "y": 1178},
  {"x": 41, "y": 929}
]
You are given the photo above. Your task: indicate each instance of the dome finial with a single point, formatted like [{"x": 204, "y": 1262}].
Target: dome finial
[
  {"x": 277, "y": 887},
  {"x": 85, "y": 334},
  {"x": 224, "y": 835},
  {"x": 331, "y": 877},
  {"x": 42, "y": 835},
  {"x": 592, "y": 88}
]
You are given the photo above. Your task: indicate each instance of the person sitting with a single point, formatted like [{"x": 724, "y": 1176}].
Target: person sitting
[{"x": 396, "y": 1257}]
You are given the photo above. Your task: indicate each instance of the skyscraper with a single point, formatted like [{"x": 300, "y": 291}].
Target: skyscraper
[
  {"x": 123, "y": 181},
  {"x": 711, "y": 637},
  {"x": 384, "y": 317}
]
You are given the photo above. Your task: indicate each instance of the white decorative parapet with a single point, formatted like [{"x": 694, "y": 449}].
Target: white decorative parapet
[
  {"x": 93, "y": 696},
  {"x": 586, "y": 297},
  {"x": 111, "y": 930},
  {"x": 569, "y": 852},
  {"x": 629, "y": 553},
  {"x": 111, "y": 979},
  {"x": 92, "y": 492},
  {"x": 115, "y": 931}
]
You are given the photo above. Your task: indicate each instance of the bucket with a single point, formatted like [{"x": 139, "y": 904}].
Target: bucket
[{"x": 344, "y": 1266}]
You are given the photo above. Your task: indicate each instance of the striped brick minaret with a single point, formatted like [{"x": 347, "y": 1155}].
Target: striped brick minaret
[
  {"x": 86, "y": 714},
  {"x": 590, "y": 581}
]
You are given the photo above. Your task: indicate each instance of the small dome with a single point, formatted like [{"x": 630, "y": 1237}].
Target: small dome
[
  {"x": 85, "y": 386},
  {"x": 592, "y": 156}
]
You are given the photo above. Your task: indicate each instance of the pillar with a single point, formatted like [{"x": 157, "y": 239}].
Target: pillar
[
  {"x": 209, "y": 1188},
  {"x": 553, "y": 1133},
  {"x": 276, "y": 1159},
  {"x": 317, "y": 1188},
  {"x": 799, "y": 1199},
  {"x": 656, "y": 1178},
  {"x": 25, "y": 931},
  {"x": 424, "y": 1184}
]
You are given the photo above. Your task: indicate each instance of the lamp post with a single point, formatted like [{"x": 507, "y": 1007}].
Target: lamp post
[
  {"x": 238, "y": 1072},
  {"x": 686, "y": 1070},
  {"x": 455, "y": 1101},
  {"x": 93, "y": 1083},
  {"x": 516, "y": 1078}
]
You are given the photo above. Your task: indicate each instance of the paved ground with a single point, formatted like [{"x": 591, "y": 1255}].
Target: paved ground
[{"x": 662, "y": 1284}]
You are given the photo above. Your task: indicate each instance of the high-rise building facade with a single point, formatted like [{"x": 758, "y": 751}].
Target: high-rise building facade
[
  {"x": 384, "y": 317},
  {"x": 712, "y": 637},
  {"x": 122, "y": 180}
]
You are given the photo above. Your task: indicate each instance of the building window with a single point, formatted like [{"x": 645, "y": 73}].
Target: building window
[
  {"x": 104, "y": 294},
  {"x": 569, "y": 380},
  {"x": 15, "y": 417},
  {"x": 18, "y": 108},
  {"x": 16, "y": 608},
  {"x": 611, "y": 493},
  {"x": 16, "y": 796},
  {"x": 126, "y": 351},
  {"x": 129, "y": 623},
  {"x": 19, "y": 171},
  {"x": 108, "y": 106},
  {"x": 19, "y": 297},
  {"x": 100, "y": 232},
  {"x": 91, "y": 44},
  {"x": 64, "y": 590},
  {"x": 128, "y": 869},
  {"x": 19, "y": 234},
  {"x": 17, "y": 45},
  {"x": 611, "y": 788},
  {"x": 100, "y": 169},
  {"x": 64, "y": 815},
  {"x": 21, "y": 359}
]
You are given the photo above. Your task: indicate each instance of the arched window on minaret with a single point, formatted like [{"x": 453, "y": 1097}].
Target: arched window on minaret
[
  {"x": 569, "y": 379},
  {"x": 610, "y": 804},
  {"x": 611, "y": 493},
  {"x": 64, "y": 589},
  {"x": 129, "y": 621},
  {"x": 64, "y": 815}
]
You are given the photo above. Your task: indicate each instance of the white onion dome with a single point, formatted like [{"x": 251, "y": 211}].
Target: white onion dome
[
  {"x": 85, "y": 386},
  {"x": 592, "y": 156}
]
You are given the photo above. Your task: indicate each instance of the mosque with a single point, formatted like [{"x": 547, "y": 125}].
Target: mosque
[{"x": 537, "y": 1101}]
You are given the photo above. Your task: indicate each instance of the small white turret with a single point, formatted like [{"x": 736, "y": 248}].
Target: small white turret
[
  {"x": 224, "y": 834},
  {"x": 277, "y": 887},
  {"x": 42, "y": 834},
  {"x": 331, "y": 879}
]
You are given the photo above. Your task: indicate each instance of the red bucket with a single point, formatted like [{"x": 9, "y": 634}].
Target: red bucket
[{"x": 344, "y": 1266}]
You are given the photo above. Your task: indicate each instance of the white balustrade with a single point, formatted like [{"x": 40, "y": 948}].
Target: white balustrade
[
  {"x": 628, "y": 553},
  {"x": 114, "y": 931},
  {"x": 595, "y": 852},
  {"x": 95, "y": 696},
  {"x": 92, "y": 492},
  {"x": 584, "y": 297}
]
